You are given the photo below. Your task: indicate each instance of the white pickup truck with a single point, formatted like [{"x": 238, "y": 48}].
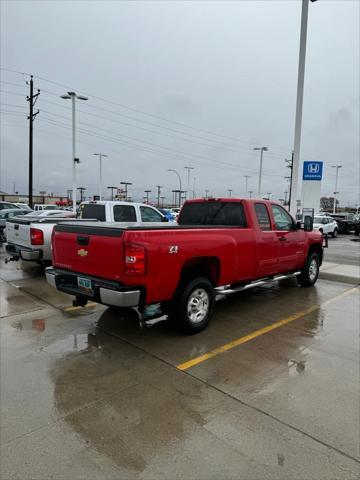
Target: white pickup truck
[{"x": 29, "y": 237}]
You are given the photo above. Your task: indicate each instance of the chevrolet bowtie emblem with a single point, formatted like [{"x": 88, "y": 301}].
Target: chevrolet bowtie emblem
[{"x": 82, "y": 252}]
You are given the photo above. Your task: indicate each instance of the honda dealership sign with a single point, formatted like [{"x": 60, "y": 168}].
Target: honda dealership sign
[
  {"x": 311, "y": 185},
  {"x": 312, "y": 170}
]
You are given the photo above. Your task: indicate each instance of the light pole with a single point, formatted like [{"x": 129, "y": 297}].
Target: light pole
[
  {"x": 73, "y": 96},
  {"x": 262, "y": 150},
  {"x": 250, "y": 193},
  {"x": 158, "y": 194},
  {"x": 188, "y": 178},
  {"x": 336, "y": 184},
  {"x": 126, "y": 189},
  {"x": 246, "y": 182},
  {"x": 230, "y": 191},
  {"x": 81, "y": 190},
  {"x": 206, "y": 193},
  {"x": 100, "y": 155},
  {"x": 112, "y": 191},
  {"x": 147, "y": 195},
  {"x": 299, "y": 107},
  {"x": 162, "y": 201},
  {"x": 285, "y": 199},
  {"x": 179, "y": 178},
  {"x": 269, "y": 195}
]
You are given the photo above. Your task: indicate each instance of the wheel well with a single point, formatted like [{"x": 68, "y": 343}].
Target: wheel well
[
  {"x": 316, "y": 248},
  {"x": 208, "y": 267}
]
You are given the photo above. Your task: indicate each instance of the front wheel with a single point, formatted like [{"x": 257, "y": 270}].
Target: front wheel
[
  {"x": 310, "y": 272},
  {"x": 195, "y": 306},
  {"x": 334, "y": 233}
]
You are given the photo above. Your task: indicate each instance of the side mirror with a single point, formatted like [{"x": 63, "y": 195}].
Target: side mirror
[
  {"x": 308, "y": 223},
  {"x": 164, "y": 219},
  {"x": 298, "y": 225}
]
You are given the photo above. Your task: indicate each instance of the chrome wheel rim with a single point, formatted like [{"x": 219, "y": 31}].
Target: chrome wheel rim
[
  {"x": 313, "y": 269},
  {"x": 198, "y": 305}
]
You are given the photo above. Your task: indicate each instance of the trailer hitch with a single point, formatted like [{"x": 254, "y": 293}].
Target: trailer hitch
[
  {"x": 79, "y": 301},
  {"x": 12, "y": 259}
]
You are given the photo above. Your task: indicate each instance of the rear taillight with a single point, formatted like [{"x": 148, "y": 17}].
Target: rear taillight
[
  {"x": 135, "y": 259},
  {"x": 36, "y": 236}
]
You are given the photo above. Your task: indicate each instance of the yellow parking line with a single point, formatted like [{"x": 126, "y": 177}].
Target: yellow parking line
[
  {"x": 73, "y": 309},
  {"x": 258, "y": 333}
]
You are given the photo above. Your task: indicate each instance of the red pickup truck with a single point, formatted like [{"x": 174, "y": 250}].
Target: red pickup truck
[{"x": 218, "y": 247}]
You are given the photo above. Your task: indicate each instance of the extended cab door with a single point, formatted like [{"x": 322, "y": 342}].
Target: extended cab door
[
  {"x": 291, "y": 241},
  {"x": 266, "y": 243}
]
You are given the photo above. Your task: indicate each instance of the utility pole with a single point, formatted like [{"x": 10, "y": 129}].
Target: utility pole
[
  {"x": 336, "y": 184},
  {"x": 262, "y": 150},
  {"x": 246, "y": 182},
  {"x": 250, "y": 193},
  {"x": 112, "y": 191},
  {"x": 188, "y": 178},
  {"x": 230, "y": 191},
  {"x": 158, "y": 194},
  {"x": 147, "y": 195},
  {"x": 100, "y": 155},
  {"x": 126, "y": 189},
  {"x": 32, "y": 100}
]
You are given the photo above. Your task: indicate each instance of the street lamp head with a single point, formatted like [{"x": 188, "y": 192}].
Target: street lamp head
[
  {"x": 65, "y": 97},
  {"x": 81, "y": 97}
]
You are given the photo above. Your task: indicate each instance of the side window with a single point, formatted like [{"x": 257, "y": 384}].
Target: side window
[
  {"x": 283, "y": 221},
  {"x": 124, "y": 213},
  {"x": 150, "y": 215},
  {"x": 262, "y": 216}
]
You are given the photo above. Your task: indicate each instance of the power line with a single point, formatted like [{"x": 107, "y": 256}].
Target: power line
[{"x": 141, "y": 111}]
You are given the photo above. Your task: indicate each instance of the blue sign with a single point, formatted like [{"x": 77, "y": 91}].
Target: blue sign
[{"x": 312, "y": 170}]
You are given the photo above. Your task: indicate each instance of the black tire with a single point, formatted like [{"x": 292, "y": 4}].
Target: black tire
[
  {"x": 334, "y": 233},
  {"x": 310, "y": 272},
  {"x": 195, "y": 300}
]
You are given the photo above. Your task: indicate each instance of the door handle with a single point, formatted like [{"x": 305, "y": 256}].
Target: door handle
[{"x": 282, "y": 239}]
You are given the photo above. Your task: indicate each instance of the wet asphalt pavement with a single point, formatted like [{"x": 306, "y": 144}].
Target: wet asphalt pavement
[{"x": 90, "y": 394}]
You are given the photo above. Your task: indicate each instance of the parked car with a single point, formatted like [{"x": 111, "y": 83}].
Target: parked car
[
  {"x": 346, "y": 222},
  {"x": 123, "y": 212},
  {"x": 169, "y": 214},
  {"x": 39, "y": 206},
  {"x": 23, "y": 206},
  {"x": 326, "y": 225},
  {"x": 5, "y": 214},
  {"x": 7, "y": 205},
  {"x": 220, "y": 246}
]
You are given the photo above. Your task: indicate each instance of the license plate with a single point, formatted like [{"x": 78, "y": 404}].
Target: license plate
[{"x": 84, "y": 284}]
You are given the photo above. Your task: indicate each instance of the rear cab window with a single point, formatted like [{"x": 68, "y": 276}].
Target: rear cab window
[
  {"x": 124, "y": 213},
  {"x": 213, "y": 213},
  {"x": 92, "y": 211},
  {"x": 263, "y": 217}
]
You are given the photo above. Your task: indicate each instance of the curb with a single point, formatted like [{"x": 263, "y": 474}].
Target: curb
[{"x": 338, "y": 277}]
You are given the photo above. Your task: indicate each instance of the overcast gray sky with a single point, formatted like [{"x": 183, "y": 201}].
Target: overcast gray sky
[{"x": 188, "y": 84}]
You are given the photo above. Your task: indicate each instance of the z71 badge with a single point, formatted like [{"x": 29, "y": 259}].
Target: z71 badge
[{"x": 173, "y": 249}]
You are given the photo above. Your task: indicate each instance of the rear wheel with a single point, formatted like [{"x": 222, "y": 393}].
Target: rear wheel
[
  {"x": 310, "y": 272},
  {"x": 195, "y": 306}
]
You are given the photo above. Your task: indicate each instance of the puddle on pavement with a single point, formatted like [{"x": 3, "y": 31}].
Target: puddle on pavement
[{"x": 79, "y": 342}]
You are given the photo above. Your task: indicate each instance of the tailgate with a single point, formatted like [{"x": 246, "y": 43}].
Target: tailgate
[
  {"x": 92, "y": 250},
  {"x": 18, "y": 233}
]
